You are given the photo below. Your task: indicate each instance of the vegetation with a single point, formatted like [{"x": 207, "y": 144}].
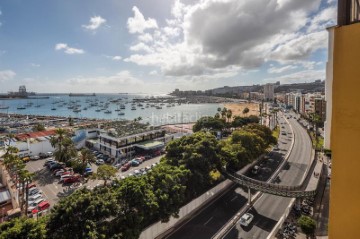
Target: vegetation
[
  {"x": 105, "y": 172},
  {"x": 192, "y": 165},
  {"x": 64, "y": 147},
  {"x": 39, "y": 127},
  {"x": 245, "y": 111},
  {"x": 276, "y": 132},
  {"x": 23, "y": 228},
  {"x": 307, "y": 225}
]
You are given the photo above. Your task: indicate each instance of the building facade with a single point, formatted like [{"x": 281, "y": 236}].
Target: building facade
[{"x": 269, "y": 92}]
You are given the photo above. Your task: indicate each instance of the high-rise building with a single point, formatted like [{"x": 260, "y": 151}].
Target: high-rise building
[
  {"x": 343, "y": 90},
  {"x": 269, "y": 92}
]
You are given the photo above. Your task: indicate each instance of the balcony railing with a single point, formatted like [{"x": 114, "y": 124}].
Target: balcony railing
[{"x": 348, "y": 12}]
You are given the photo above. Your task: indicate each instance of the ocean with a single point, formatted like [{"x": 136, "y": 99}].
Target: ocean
[{"x": 58, "y": 106}]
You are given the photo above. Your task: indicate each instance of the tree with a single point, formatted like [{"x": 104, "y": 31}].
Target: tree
[
  {"x": 105, "y": 172},
  {"x": 25, "y": 178},
  {"x": 39, "y": 127},
  {"x": 228, "y": 115},
  {"x": 64, "y": 146},
  {"x": 23, "y": 228},
  {"x": 223, "y": 112},
  {"x": 86, "y": 157},
  {"x": 307, "y": 225},
  {"x": 209, "y": 123},
  {"x": 84, "y": 214},
  {"x": 245, "y": 111}
]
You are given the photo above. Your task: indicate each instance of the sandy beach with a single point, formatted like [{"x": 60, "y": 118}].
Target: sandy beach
[{"x": 237, "y": 108}]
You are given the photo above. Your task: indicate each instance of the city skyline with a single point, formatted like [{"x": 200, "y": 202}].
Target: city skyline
[{"x": 159, "y": 46}]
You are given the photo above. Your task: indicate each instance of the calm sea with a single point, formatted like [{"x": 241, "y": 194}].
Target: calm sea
[{"x": 167, "y": 115}]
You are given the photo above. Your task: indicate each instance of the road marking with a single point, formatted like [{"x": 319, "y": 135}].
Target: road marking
[
  {"x": 208, "y": 221},
  {"x": 233, "y": 198}
]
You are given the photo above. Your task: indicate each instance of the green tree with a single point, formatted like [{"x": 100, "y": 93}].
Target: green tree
[
  {"x": 23, "y": 228},
  {"x": 307, "y": 225},
  {"x": 228, "y": 115},
  {"x": 209, "y": 123},
  {"x": 39, "y": 127},
  {"x": 169, "y": 188},
  {"x": 245, "y": 111},
  {"x": 25, "y": 178},
  {"x": 84, "y": 214},
  {"x": 105, "y": 172},
  {"x": 64, "y": 146},
  {"x": 223, "y": 112},
  {"x": 86, "y": 157}
]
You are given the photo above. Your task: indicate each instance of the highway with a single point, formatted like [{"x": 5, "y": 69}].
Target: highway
[
  {"x": 211, "y": 219},
  {"x": 269, "y": 209}
]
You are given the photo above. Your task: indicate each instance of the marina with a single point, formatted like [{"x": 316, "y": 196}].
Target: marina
[{"x": 155, "y": 110}]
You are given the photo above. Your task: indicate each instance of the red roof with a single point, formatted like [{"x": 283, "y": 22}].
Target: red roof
[{"x": 35, "y": 134}]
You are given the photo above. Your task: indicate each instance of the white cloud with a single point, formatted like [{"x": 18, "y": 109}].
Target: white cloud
[
  {"x": 116, "y": 58},
  {"x": 94, "y": 23},
  {"x": 141, "y": 47},
  {"x": 6, "y": 75},
  {"x": 67, "y": 49},
  {"x": 145, "y": 37},
  {"x": 213, "y": 34},
  {"x": 138, "y": 24},
  {"x": 277, "y": 70}
]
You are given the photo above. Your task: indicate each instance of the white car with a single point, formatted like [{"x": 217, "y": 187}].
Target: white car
[
  {"x": 34, "y": 198},
  {"x": 246, "y": 219},
  {"x": 62, "y": 178}
]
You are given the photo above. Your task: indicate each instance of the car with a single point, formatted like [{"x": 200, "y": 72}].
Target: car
[
  {"x": 117, "y": 166},
  {"x": 99, "y": 161},
  {"x": 72, "y": 179},
  {"x": 283, "y": 133},
  {"x": 125, "y": 167},
  {"x": 31, "y": 185},
  {"x": 65, "y": 173},
  {"x": 147, "y": 168},
  {"x": 137, "y": 172},
  {"x": 135, "y": 163},
  {"x": 26, "y": 159},
  {"x": 63, "y": 177},
  {"x": 35, "y": 204},
  {"x": 49, "y": 154},
  {"x": 147, "y": 157},
  {"x": 246, "y": 219},
  {"x": 33, "y": 191},
  {"x": 88, "y": 171},
  {"x": 41, "y": 207},
  {"x": 34, "y": 157},
  {"x": 34, "y": 198},
  {"x": 56, "y": 166}
]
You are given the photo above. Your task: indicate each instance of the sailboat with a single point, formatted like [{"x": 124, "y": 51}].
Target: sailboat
[{"x": 4, "y": 107}]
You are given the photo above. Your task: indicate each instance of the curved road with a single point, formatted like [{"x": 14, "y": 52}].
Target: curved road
[
  {"x": 268, "y": 209},
  {"x": 212, "y": 218}
]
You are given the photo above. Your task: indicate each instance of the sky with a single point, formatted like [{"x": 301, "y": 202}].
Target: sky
[{"x": 155, "y": 46}]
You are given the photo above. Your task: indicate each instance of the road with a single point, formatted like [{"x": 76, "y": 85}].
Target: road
[
  {"x": 269, "y": 209},
  {"x": 211, "y": 219}
]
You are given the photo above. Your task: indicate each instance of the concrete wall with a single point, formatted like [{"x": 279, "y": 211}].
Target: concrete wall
[
  {"x": 158, "y": 228},
  {"x": 345, "y": 134}
]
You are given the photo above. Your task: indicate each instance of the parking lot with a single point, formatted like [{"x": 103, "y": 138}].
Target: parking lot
[{"x": 53, "y": 190}]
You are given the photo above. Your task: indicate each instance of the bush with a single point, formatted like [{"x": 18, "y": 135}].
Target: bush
[{"x": 307, "y": 225}]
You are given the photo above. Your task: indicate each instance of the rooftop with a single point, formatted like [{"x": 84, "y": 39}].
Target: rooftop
[{"x": 39, "y": 134}]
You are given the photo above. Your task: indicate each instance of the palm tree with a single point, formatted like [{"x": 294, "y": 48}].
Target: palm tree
[
  {"x": 25, "y": 178},
  {"x": 65, "y": 149},
  {"x": 219, "y": 109},
  {"x": 228, "y": 115},
  {"x": 223, "y": 113},
  {"x": 139, "y": 118},
  {"x": 86, "y": 156}
]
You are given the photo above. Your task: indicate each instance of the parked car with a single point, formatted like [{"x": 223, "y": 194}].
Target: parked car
[
  {"x": 99, "y": 162},
  {"x": 246, "y": 219},
  {"x": 34, "y": 204},
  {"x": 49, "y": 154},
  {"x": 74, "y": 178},
  {"x": 35, "y": 198},
  {"x": 26, "y": 159},
  {"x": 147, "y": 157},
  {"x": 125, "y": 167},
  {"x": 88, "y": 171},
  {"x": 33, "y": 191},
  {"x": 63, "y": 177},
  {"x": 56, "y": 166},
  {"x": 41, "y": 207},
  {"x": 135, "y": 163},
  {"x": 31, "y": 185},
  {"x": 34, "y": 157}
]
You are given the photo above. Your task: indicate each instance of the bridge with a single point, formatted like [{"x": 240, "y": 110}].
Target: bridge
[{"x": 270, "y": 188}]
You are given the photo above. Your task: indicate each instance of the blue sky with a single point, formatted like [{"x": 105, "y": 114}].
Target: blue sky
[{"x": 158, "y": 45}]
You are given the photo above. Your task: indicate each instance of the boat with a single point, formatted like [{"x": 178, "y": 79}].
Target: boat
[
  {"x": 108, "y": 112},
  {"x": 53, "y": 108},
  {"x": 98, "y": 110},
  {"x": 158, "y": 107},
  {"x": 77, "y": 110},
  {"x": 21, "y": 108},
  {"x": 4, "y": 107},
  {"x": 85, "y": 108},
  {"x": 133, "y": 108},
  {"x": 121, "y": 113}
]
